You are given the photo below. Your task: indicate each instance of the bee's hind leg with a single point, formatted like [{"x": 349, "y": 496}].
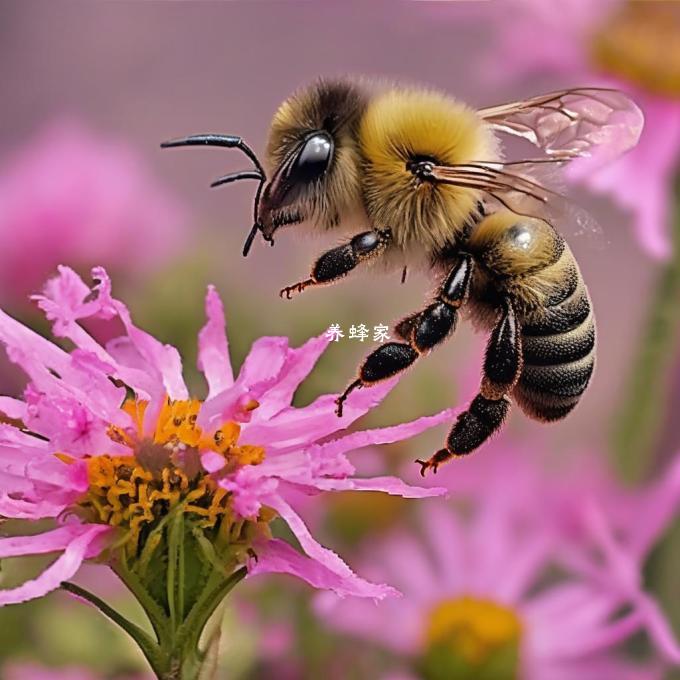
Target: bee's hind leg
[
  {"x": 422, "y": 331},
  {"x": 336, "y": 263},
  {"x": 488, "y": 410}
]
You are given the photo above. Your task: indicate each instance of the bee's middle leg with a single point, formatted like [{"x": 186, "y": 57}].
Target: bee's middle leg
[
  {"x": 337, "y": 262},
  {"x": 488, "y": 410},
  {"x": 422, "y": 331}
]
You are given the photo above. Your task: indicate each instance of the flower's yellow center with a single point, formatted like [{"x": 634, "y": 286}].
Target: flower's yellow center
[
  {"x": 641, "y": 43},
  {"x": 164, "y": 471},
  {"x": 468, "y": 637}
]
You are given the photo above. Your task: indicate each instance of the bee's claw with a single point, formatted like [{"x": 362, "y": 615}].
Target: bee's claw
[
  {"x": 426, "y": 465},
  {"x": 434, "y": 461},
  {"x": 338, "y": 407},
  {"x": 288, "y": 291}
]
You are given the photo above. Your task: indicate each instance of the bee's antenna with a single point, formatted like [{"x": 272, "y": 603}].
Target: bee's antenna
[
  {"x": 249, "y": 239},
  {"x": 228, "y": 141},
  {"x": 231, "y": 142},
  {"x": 234, "y": 176}
]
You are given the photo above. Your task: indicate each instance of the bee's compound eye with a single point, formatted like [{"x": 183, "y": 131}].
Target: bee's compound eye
[
  {"x": 313, "y": 159},
  {"x": 521, "y": 235}
]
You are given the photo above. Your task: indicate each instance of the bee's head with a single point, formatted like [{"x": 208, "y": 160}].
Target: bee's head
[
  {"x": 313, "y": 160},
  {"x": 312, "y": 156},
  {"x": 285, "y": 197}
]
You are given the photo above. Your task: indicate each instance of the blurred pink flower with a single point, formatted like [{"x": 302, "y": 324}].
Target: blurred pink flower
[
  {"x": 608, "y": 531},
  {"x": 72, "y": 195},
  {"x": 482, "y": 576},
  {"x": 69, "y": 450},
  {"x": 613, "y": 43},
  {"x": 32, "y": 671}
]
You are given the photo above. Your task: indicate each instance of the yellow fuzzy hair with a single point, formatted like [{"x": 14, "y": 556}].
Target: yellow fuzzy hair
[{"x": 400, "y": 124}]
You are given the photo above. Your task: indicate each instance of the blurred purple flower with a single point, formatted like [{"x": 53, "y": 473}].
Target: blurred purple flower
[
  {"x": 613, "y": 43},
  {"x": 481, "y": 582},
  {"x": 73, "y": 195},
  {"x": 107, "y": 472}
]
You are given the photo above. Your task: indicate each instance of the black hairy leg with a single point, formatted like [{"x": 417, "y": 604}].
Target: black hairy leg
[
  {"x": 488, "y": 410},
  {"x": 336, "y": 263},
  {"x": 422, "y": 331}
]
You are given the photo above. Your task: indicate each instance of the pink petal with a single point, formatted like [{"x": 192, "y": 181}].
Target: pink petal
[
  {"x": 294, "y": 427},
  {"x": 249, "y": 489},
  {"x": 165, "y": 359},
  {"x": 259, "y": 373},
  {"x": 41, "y": 360},
  {"x": 522, "y": 570},
  {"x": 213, "y": 347},
  {"x": 12, "y": 408},
  {"x": 390, "y": 485},
  {"x": 66, "y": 300},
  {"x": 277, "y": 556},
  {"x": 314, "y": 549},
  {"x": 60, "y": 570},
  {"x": 132, "y": 369},
  {"x": 264, "y": 363},
  {"x": 38, "y": 544},
  {"x": 395, "y": 623},
  {"x": 658, "y": 628},
  {"x": 22, "y": 509},
  {"x": 385, "y": 435},
  {"x": 660, "y": 503},
  {"x": 438, "y": 521},
  {"x": 420, "y": 583},
  {"x": 298, "y": 365},
  {"x": 25, "y": 347}
]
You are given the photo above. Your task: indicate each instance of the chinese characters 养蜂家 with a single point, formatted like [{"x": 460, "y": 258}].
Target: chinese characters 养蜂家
[{"x": 360, "y": 332}]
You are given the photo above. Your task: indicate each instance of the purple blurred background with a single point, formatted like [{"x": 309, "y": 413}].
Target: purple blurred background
[{"x": 137, "y": 73}]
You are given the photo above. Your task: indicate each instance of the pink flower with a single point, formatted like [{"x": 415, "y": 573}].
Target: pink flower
[
  {"x": 612, "y": 43},
  {"x": 480, "y": 588},
  {"x": 609, "y": 531},
  {"x": 108, "y": 442},
  {"x": 71, "y": 194}
]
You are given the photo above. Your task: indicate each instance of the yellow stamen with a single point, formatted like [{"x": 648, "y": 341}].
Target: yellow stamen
[
  {"x": 641, "y": 43},
  {"x": 473, "y": 629},
  {"x": 163, "y": 472}
]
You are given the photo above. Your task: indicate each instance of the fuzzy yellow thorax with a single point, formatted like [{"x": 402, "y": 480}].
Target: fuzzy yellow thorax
[
  {"x": 163, "y": 471},
  {"x": 641, "y": 43}
]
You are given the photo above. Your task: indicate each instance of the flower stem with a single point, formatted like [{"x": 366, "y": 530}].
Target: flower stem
[
  {"x": 637, "y": 428},
  {"x": 148, "y": 646},
  {"x": 174, "y": 652}
]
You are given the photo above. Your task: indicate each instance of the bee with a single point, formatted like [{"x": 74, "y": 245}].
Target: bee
[{"x": 426, "y": 175}]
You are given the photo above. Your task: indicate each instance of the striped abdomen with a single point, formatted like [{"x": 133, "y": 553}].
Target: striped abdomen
[{"x": 558, "y": 348}]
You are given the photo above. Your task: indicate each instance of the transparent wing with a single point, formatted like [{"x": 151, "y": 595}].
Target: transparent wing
[
  {"x": 515, "y": 185},
  {"x": 572, "y": 123}
]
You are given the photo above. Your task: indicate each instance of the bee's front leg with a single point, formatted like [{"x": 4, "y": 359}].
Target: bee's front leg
[{"x": 336, "y": 263}]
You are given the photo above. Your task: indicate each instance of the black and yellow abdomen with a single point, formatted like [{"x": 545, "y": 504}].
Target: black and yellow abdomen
[
  {"x": 525, "y": 260},
  {"x": 558, "y": 350}
]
